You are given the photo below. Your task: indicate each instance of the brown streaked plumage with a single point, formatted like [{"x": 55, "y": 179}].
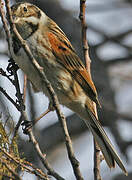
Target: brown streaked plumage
[
  {"x": 67, "y": 57},
  {"x": 63, "y": 68}
]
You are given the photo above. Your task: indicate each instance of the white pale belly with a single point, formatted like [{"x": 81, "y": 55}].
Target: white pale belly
[
  {"x": 24, "y": 63},
  {"x": 51, "y": 70}
]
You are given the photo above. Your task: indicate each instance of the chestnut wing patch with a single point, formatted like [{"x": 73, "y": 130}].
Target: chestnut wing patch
[{"x": 67, "y": 57}]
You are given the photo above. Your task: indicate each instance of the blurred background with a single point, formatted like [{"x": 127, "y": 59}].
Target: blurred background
[{"x": 109, "y": 35}]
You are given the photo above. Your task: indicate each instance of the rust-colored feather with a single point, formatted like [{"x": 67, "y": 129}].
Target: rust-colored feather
[{"x": 66, "y": 56}]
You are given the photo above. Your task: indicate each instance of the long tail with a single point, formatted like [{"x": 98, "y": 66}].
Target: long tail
[{"x": 103, "y": 141}]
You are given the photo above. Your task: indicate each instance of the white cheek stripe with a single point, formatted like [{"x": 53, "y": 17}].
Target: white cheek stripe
[{"x": 32, "y": 19}]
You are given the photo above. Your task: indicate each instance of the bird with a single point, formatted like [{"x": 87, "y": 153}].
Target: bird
[{"x": 63, "y": 68}]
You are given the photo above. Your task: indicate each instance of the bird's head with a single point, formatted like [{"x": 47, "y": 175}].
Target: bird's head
[{"x": 27, "y": 18}]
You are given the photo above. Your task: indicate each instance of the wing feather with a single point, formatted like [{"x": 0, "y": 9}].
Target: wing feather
[{"x": 67, "y": 57}]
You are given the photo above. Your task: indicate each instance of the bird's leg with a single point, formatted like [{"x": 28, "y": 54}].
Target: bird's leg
[
  {"x": 50, "y": 108},
  {"x": 29, "y": 124}
]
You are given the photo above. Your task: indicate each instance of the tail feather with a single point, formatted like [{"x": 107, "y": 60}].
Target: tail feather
[{"x": 104, "y": 143}]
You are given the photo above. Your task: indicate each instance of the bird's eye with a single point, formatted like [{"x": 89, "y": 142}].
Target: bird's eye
[{"x": 25, "y": 9}]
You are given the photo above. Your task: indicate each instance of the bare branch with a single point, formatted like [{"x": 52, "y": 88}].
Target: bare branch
[
  {"x": 24, "y": 88},
  {"x": 9, "y": 98},
  {"x": 4, "y": 21},
  {"x": 43, "y": 157},
  {"x": 35, "y": 171},
  {"x": 10, "y": 169},
  {"x": 84, "y": 38},
  {"x": 115, "y": 38},
  {"x": 97, "y": 175}
]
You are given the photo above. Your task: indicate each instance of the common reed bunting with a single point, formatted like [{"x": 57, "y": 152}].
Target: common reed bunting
[{"x": 63, "y": 68}]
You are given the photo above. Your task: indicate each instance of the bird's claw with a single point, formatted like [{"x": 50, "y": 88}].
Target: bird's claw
[{"x": 26, "y": 126}]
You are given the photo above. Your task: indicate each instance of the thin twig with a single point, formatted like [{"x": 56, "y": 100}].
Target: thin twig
[
  {"x": 35, "y": 171},
  {"x": 20, "y": 101},
  {"x": 46, "y": 83},
  {"x": 15, "y": 82},
  {"x": 114, "y": 38},
  {"x": 9, "y": 98},
  {"x": 88, "y": 63},
  {"x": 84, "y": 36},
  {"x": 41, "y": 116},
  {"x": 4, "y": 21},
  {"x": 10, "y": 169},
  {"x": 3, "y": 73},
  {"x": 7, "y": 176},
  {"x": 24, "y": 88},
  {"x": 43, "y": 157},
  {"x": 17, "y": 128},
  {"x": 24, "y": 99}
]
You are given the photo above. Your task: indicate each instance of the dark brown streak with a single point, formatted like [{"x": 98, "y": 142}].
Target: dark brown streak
[
  {"x": 85, "y": 86},
  {"x": 62, "y": 37},
  {"x": 39, "y": 14},
  {"x": 16, "y": 44},
  {"x": 34, "y": 28},
  {"x": 62, "y": 48},
  {"x": 76, "y": 61}
]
